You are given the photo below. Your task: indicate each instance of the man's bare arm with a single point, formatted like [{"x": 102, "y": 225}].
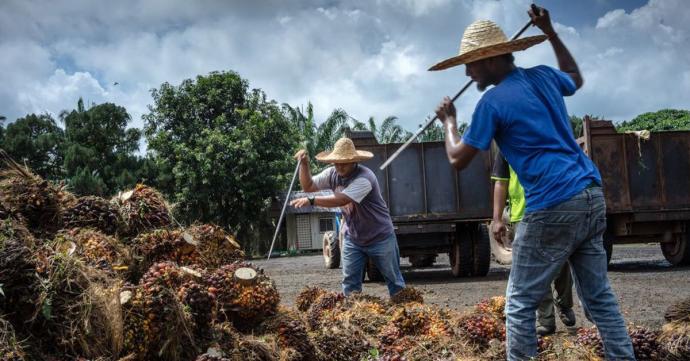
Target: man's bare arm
[
  {"x": 459, "y": 154},
  {"x": 305, "y": 179},
  {"x": 566, "y": 62}
]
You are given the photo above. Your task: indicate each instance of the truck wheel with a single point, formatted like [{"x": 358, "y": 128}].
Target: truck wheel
[
  {"x": 331, "y": 251},
  {"x": 678, "y": 251},
  {"x": 373, "y": 272},
  {"x": 481, "y": 260},
  {"x": 460, "y": 254},
  {"x": 502, "y": 252},
  {"x": 422, "y": 260}
]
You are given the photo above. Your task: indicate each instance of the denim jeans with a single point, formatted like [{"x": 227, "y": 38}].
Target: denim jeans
[
  {"x": 385, "y": 256},
  {"x": 545, "y": 240}
]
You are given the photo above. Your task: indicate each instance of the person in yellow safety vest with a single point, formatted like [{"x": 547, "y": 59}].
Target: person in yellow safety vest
[{"x": 502, "y": 174}]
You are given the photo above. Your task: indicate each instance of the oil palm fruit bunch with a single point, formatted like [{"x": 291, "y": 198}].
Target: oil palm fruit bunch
[
  {"x": 199, "y": 303},
  {"x": 494, "y": 306},
  {"x": 368, "y": 315},
  {"x": 307, "y": 296},
  {"x": 589, "y": 339},
  {"x": 93, "y": 212},
  {"x": 215, "y": 246},
  {"x": 341, "y": 344},
  {"x": 96, "y": 248},
  {"x": 482, "y": 328},
  {"x": 644, "y": 343},
  {"x": 246, "y": 301},
  {"x": 163, "y": 245},
  {"x": 211, "y": 357},
  {"x": 674, "y": 341},
  {"x": 291, "y": 334},
  {"x": 18, "y": 277},
  {"x": 323, "y": 303},
  {"x": 143, "y": 208},
  {"x": 407, "y": 295},
  {"x": 679, "y": 311},
  {"x": 36, "y": 200},
  {"x": 167, "y": 329}
]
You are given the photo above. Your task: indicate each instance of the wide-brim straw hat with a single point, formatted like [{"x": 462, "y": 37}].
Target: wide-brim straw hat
[
  {"x": 344, "y": 152},
  {"x": 484, "y": 39}
]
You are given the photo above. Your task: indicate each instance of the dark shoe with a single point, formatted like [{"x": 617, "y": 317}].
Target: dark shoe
[
  {"x": 567, "y": 316},
  {"x": 545, "y": 331}
]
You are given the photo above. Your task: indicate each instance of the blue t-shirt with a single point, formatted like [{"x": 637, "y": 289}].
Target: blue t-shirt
[{"x": 525, "y": 114}]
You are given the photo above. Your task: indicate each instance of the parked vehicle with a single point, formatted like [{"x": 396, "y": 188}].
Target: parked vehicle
[
  {"x": 646, "y": 182},
  {"x": 435, "y": 209}
]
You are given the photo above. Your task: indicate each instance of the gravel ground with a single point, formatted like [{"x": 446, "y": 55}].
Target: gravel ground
[{"x": 643, "y": 281}]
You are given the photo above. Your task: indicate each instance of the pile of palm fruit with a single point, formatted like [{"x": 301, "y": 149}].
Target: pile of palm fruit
[{"x": 86, "y": 278}]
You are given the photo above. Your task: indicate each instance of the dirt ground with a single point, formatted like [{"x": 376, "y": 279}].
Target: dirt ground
[{"x": 643, "y": 281}]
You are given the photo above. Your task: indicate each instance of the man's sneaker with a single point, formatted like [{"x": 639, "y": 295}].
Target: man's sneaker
[
  {"x": 567, "y": 316},
  {"x": 545, "y": 331}
]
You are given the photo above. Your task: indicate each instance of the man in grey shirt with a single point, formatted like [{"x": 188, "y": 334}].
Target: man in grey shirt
[{"x": 368, "y": 227}]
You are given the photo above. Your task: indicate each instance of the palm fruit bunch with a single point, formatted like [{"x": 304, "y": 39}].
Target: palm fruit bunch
[
  {"x": 589, "y": 339},
  {"x": 79, "y": 309},
  {"x": 166, "y": 328},
  {"x": 18, "y": 275},
  {"x": 36, "y": 200},
  {"x": 246, "y": 302},
  {"x": 215, "y": 246},
  {"x": 365, "y": 312},
  {"x": 307, "y": 296},
  {"x": 291, "y": 334},
  {"x": 143, "y": 209},
  {"x": 163, "y": 245},
  {"x": 675, "y": 341},
  {"x": 482, "y": 328},
  {"x": 421, "y": 320},
  {"x": 226, "y": 340},
  {"x": 679, "y": 311},
  {"x": 644, "y": 343},
  {"x": 93, "y": 212},
  {"x": 199, "y": 303},
  {"x": 496, "y": 351},
  {"x": 96, "y": 248},
  {"x": 407, "y": 295},
  {"x": 323, "y": 303},
  {"x": 341, "y": 344},
  {"x": 494, "y": 306}
]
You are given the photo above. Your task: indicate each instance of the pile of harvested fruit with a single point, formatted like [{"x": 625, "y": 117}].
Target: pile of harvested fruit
[{"x": 85, "y": 278}]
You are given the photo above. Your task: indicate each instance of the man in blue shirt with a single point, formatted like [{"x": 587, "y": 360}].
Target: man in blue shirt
[{"x": 524, "y": 113}]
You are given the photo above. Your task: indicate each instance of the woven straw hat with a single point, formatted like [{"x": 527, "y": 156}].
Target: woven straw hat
[
  {"x": 344, "y": 152},
  {"x": 484, "y": 39}
]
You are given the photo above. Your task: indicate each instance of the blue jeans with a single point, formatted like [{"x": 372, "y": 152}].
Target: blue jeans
[
  {"x": 386, "y": 258},
  {"x": 544, "y": 241}
]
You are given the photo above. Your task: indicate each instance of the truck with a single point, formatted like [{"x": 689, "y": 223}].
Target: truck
[{"x": 435, "y": 209}]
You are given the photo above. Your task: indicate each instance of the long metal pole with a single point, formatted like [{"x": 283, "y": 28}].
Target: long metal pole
[
  {"x": 432, "y": 120},
  {"x": 282, "y": 213}
]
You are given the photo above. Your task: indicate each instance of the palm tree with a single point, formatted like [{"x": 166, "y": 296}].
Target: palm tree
[{"x": 387, "y": 132}]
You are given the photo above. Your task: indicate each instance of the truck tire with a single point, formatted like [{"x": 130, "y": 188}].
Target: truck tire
[
  {"x": 502, "y": 254},
  {"x": 460, "y": 254},
  {"x": 422, "y": 260},
  {"x": 678, "y": 252},
  {"x": 331, "y": 251},
  {"x": 481, "y": 250},
  {"x": 373, "y": 273}
]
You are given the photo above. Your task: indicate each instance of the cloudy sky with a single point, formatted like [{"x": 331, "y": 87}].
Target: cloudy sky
[{"x": 368, "y": 57}]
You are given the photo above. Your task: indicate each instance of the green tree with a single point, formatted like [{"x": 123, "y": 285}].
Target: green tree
[
  {"x": 37, "y": 141},
  {"x": 2, "y": 130},
  {"x": 435, "y": 132},
  {"x": 100, "y": 150},
  {"x": 228, "y": 151},
  {"x": 387, "y": 132},
  {"x": 665, "y": 119}
]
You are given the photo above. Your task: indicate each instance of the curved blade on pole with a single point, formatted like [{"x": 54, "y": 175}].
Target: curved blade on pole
[
  {"x": 282, "y": 212},
  {"x": 432, "y": 120}
]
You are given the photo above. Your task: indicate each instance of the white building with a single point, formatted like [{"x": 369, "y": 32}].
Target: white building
[{"x": 306, "y": 226}]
